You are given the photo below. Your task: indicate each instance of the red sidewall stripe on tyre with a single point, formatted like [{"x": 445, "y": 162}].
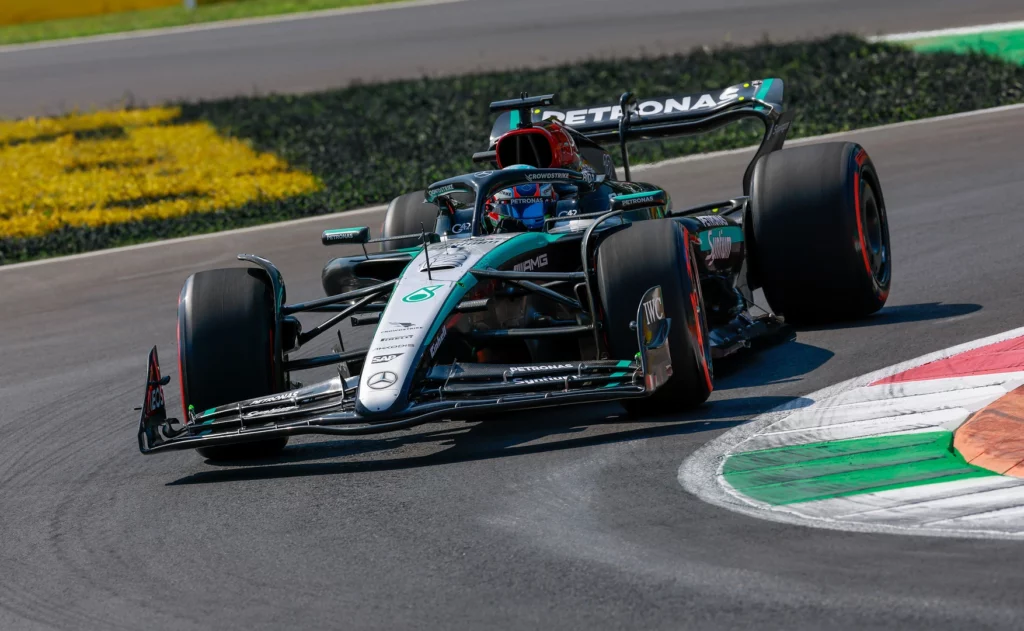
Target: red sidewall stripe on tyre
[
  {"x": 181, "y": 361},
  {"x": 858, "y": 159},
  {"x": 695, "y": 301}
]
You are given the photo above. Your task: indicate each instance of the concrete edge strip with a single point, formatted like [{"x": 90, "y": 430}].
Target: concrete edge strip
[
  {"x": 221, "y": 24},
  {"x": 964, "y": 30},
  {"x": 638, "y": 168},
  {"x": 699, "y": 473}
]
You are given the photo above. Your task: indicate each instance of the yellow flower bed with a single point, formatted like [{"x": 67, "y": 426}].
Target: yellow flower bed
[
  {"x": 113, "y": 167},
  {"x": 21, "y": 11}
]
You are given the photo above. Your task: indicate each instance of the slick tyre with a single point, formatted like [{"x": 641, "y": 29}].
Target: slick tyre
[
  {"x": 407, "y": 215},
  {"x": 226, "y": 348},
  {"x": 631, "y": 261},
  {"x": 820, "y": 233}
]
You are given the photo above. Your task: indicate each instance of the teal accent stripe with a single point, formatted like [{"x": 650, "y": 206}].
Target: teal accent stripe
[
  {"x": 517, "y": 245},
  {"x": 454, "y": 298},
  {"x": 341, "y": 230},
  {"x": 636, "y": 195},
  {"x": 733, "y": 232},
  {"x": 624, "y": 364},
  {"x": 763, "y": 92},
  {"x": 819, "y": 471},
  {"x": 513, "y": 119},
  {"x": 612, "y": 384}
]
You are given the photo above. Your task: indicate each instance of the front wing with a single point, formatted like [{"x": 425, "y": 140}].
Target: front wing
[{"x": 455, "y": 392}]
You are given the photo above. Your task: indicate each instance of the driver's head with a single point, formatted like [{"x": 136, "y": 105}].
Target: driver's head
[{"x": 521, "y": 207}]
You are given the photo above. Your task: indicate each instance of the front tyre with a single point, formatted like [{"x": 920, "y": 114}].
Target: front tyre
[
  {"x": 820, "y": 233},
  {"x": 631, "y": 261},
  {"x": 226, "y": 348}
]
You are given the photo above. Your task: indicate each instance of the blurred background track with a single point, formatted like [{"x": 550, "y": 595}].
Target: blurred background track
[{"x": 314, "y": 54}]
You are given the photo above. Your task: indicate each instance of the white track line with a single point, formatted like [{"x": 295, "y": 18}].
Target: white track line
[
  {"x": 198, "y": 237},
  {"x": 638, "y": 168},
  {"x": 221, "y": 24},
  {"x": 389, "y": 6},
  {"x": 965, "y": 30}
]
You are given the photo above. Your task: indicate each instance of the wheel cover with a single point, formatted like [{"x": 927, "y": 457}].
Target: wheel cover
[{"x": 876, "y": 243}]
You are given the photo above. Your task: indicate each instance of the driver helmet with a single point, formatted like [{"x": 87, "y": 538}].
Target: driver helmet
[{"x": 521, "y": 207}]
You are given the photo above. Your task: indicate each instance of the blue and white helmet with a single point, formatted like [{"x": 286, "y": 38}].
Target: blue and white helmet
[{"x": 526, "y": 205}]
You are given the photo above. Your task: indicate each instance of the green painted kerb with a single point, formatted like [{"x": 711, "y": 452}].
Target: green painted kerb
[
  {"x": 820, "y": 471},
  {"x": 1008, "y": 45}
]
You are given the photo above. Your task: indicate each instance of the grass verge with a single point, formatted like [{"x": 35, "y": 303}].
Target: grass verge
[
  {"x": 1008, "y": 45},
  {"x": 366, "y": 144},
  {"x": 164, "y": 17}
]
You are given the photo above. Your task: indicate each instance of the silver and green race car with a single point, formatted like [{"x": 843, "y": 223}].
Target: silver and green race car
[{"x": 613, "y": 295}]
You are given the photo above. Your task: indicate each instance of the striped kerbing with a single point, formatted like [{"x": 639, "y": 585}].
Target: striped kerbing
[{"x": 882, "y": 452}]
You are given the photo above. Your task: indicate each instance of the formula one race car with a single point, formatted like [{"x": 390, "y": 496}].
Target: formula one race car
[{"x": 542, "y": 281}]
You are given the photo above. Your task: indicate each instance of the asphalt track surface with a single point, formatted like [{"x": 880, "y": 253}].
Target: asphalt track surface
[
  {"x": 571, "y": 519},
  {"x": 321, "y": 53}
]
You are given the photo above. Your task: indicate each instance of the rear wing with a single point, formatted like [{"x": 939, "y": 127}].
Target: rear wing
[
  {"x": 601, "y": 119},
  {"x": 662, "y": 117}
]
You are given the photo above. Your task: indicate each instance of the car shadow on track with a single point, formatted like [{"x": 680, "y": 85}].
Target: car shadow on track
[
  {"x": 503, "y": 437},
  {"x": 778, "y": 363},
  {"x": 900, "y": 314}
]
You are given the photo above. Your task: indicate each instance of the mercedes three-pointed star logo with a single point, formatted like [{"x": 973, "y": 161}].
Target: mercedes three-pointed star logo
[{"x": 382, "y": 380}]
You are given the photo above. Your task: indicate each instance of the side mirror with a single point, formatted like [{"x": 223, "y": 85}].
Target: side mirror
[
  {"x": 647, "y": 199},
  {"x": 346, "y": 236}
]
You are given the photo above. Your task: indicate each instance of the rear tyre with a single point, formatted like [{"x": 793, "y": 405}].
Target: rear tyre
[
  {"x": 629, "y": 262},
  {"x": 820, "y": 233},
  {"x": 407, "y": 215},
  {"x": 226, "y": 348}
]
